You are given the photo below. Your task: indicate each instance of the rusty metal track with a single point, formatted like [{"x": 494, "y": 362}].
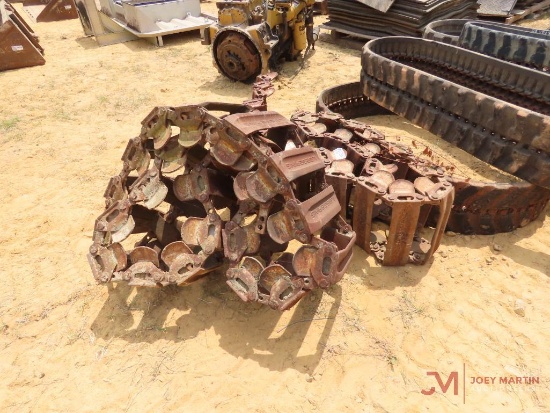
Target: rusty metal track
[
  {"x": 197, "y": 191},
  {"x": 379, "y": 180},
  {"x": 479, "y": 207},
  {"x": 494, "y": 110}
]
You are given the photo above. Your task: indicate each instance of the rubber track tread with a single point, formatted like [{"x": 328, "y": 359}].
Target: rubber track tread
[
  {"x": 497, "y": 131},
  {"x": 512, "y": 43},
  {"x": 444, "y": 31}
]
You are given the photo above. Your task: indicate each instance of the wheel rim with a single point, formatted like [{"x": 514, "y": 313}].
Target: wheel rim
[{"x": 237, "y": 57}]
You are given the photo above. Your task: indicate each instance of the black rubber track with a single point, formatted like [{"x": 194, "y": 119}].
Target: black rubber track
[
  {"x": 444, "y": 31},
  {"x": 423, "y": 81},
  {"x": 516, "y": 44},
  {"x": 479, "y": 207}
]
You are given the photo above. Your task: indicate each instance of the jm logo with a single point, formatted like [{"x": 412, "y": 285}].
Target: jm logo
[
  {"x": 453, "y": 378},
  {"x": 445, "y": 386}
]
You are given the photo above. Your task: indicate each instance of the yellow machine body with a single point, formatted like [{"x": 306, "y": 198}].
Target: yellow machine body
[{"x": 250, "y": 36}]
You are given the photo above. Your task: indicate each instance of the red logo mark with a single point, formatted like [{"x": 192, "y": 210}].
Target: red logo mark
[{"x": 453, "y": 377}]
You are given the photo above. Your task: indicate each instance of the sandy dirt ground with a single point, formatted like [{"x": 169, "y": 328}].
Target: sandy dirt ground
[{"x": 365, "y": 345}]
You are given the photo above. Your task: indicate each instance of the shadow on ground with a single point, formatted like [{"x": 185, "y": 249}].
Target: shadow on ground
[
  {"x": 141, "y": 44},
  {"x": 246, "y": 330}
]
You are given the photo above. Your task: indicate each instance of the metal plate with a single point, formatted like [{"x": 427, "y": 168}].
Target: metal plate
[
  {"x": 382, "y": 5},
  {"x": 495, "y": 7}
]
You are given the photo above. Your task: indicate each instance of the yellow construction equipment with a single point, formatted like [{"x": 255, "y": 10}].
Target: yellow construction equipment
[{"x": 252, "y": 36}]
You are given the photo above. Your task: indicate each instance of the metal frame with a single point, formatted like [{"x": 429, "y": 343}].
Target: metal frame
[{"x": 111, "y": 30}]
